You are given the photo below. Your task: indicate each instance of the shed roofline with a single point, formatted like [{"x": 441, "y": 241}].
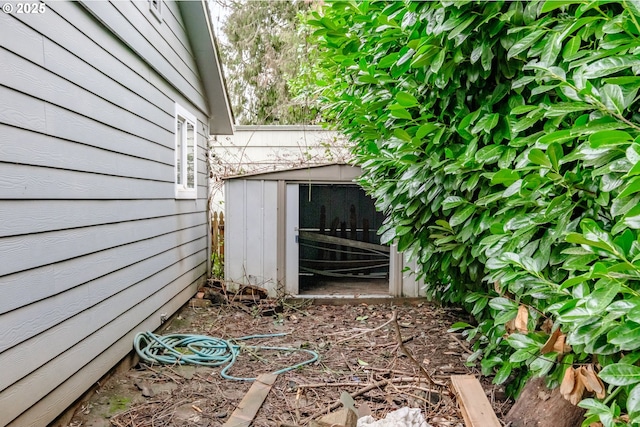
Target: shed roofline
[
  {"x": 272, "y": 128},
  {"x": 331, "y": 172}
]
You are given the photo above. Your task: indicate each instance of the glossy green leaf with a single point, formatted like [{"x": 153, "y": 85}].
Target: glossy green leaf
[
  {"x": 503, "y": 373},
  {"x": 401, "y": 113},
  {"x": 402, "y": 134},
  {"x": 620, "y": 374},
  {"x": 525, "y": 43},
  {"x": 632, "y": 187},
  {"x": 571, "y": 47},
  {"x": 626, "y": 336},
  {"x": 406, "y": 100},
  {"x": 598, "y": 300},
  {"x": 610, "y": 65},
  {"x": 550, "y": 5},
  {"x": 538, "y": 157},
  {"x": 581, "y": 240},
  {"x": 555, "y": 153},
  {"x": 633, "y": 400},
  {"x": 453, "y": 202},
  {"x": 609, "y": 137},
  {"x": 462, "y": 214},
  {"x": 520, "y": 341},
  {"x": 489, "y": 154},
  {"x": 503, "y": 304},
  {"x": 425, "y": 129},
  {"x": 505, "y": 177}
]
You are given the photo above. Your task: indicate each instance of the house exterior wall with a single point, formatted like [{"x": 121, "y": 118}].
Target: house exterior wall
[{"x": 93, "y": 245}]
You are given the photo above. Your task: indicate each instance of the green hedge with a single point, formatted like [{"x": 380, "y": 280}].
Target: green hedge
[{"x": 502, "y": 140}]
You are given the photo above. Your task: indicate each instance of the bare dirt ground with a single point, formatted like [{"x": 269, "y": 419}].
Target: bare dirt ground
[{"x": 358, "y": 353}]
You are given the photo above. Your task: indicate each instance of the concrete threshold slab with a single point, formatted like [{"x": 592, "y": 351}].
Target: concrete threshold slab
[{"x": 359, "y": 299}]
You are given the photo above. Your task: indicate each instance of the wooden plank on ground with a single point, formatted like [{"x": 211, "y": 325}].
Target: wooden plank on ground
[
  {"x": 474, "y": 405},
  {"x": 251, "y": 402}
]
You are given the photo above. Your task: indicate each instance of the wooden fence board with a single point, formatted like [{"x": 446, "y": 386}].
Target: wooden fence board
[{"x": 217, "y": 235}]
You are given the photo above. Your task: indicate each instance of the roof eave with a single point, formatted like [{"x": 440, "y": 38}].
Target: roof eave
[{"x": 203, "y": 43}]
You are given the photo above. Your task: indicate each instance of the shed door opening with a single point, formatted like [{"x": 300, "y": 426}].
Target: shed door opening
[{"x": 339, "y": 248}]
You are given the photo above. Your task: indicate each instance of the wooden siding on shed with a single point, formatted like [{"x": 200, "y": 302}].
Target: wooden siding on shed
[
  {"x": 93, "y": 244},
  {"x": 253, "y": 205}
]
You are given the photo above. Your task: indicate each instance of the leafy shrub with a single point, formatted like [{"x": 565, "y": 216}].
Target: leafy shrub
[{"x": 502, "y": 139}]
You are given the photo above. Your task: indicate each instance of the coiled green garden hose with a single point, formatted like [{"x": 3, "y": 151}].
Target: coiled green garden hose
[{"x": 204, "y": 350}]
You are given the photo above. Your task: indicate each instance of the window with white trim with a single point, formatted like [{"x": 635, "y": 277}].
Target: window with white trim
[{"x": 186, "y": 176}]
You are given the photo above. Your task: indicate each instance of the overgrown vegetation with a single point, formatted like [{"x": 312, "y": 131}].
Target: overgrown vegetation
[
  {"x": 503, "y": 141},
  {"x": 263, "y": 47}
]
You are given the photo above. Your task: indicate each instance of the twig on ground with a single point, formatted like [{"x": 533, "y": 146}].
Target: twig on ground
[
  {"x": 399, "y": 391},
  {"x": 337, "y": 404},
  {"x": 387, "y": 344},
  {"x": 355, "y": 384},
  {"x": 319, "y": 385},
  {"x": 389, "y": 371},
  {"x": 407, "y": 353},
  {"x": 365, "y": 332},
  {"x": 462, "y": 343}
]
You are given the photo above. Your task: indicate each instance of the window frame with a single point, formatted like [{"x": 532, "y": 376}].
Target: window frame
[{"x": 184, "y": 117}]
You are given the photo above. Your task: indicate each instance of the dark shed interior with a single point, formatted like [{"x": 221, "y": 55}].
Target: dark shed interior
[{"x": 340, "y": 250}]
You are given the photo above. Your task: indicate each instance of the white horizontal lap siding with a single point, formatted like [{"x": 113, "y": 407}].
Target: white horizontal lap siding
[
  {"x": 36, "y": 216},
  {"x": 77, "y": 317},
  {"x": 53, "y": 279},
  {"x": 87, "y": 375},
  {"x": 93, "y": 244},
  {"x": 174, "y": 43},
  {"x": 161, "y": 57},
  {"x": 38, "y": 149},
  {"x": 172, "y": 17},
  {"x": 49, "y": 381},
  {"x": 266, "y": 148},
  {"x": 26, "y": 77}
]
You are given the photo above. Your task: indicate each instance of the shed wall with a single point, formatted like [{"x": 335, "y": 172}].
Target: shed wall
[
  {"x": 260, "y": 213},
  {"x": 251, "y": 250},
  {"x": 94, "y": 247}
]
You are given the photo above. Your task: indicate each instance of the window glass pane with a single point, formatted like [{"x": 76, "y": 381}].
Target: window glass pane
[
  {"x": 179, "y": 144},
  {"x": 191, "y": 150}
]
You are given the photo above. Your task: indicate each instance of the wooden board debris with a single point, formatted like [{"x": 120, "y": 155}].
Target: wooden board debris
[
  {"x": 251, "y": 402},
  {"x": 474, "y": 405},
  {"x": 323, "y": 238}
]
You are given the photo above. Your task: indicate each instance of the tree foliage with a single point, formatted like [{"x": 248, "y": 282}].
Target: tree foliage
[
  {"x": 263, "y": 49},
  {"x": 502, "y": 139}
]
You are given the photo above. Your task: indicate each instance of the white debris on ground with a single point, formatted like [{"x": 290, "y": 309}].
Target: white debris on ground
[{"x": 403, "y": 417}]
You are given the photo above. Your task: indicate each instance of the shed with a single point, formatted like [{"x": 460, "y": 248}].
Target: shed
[
  {"x": 310, "y": 231},
  {"x": 106, "y": 111}
]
